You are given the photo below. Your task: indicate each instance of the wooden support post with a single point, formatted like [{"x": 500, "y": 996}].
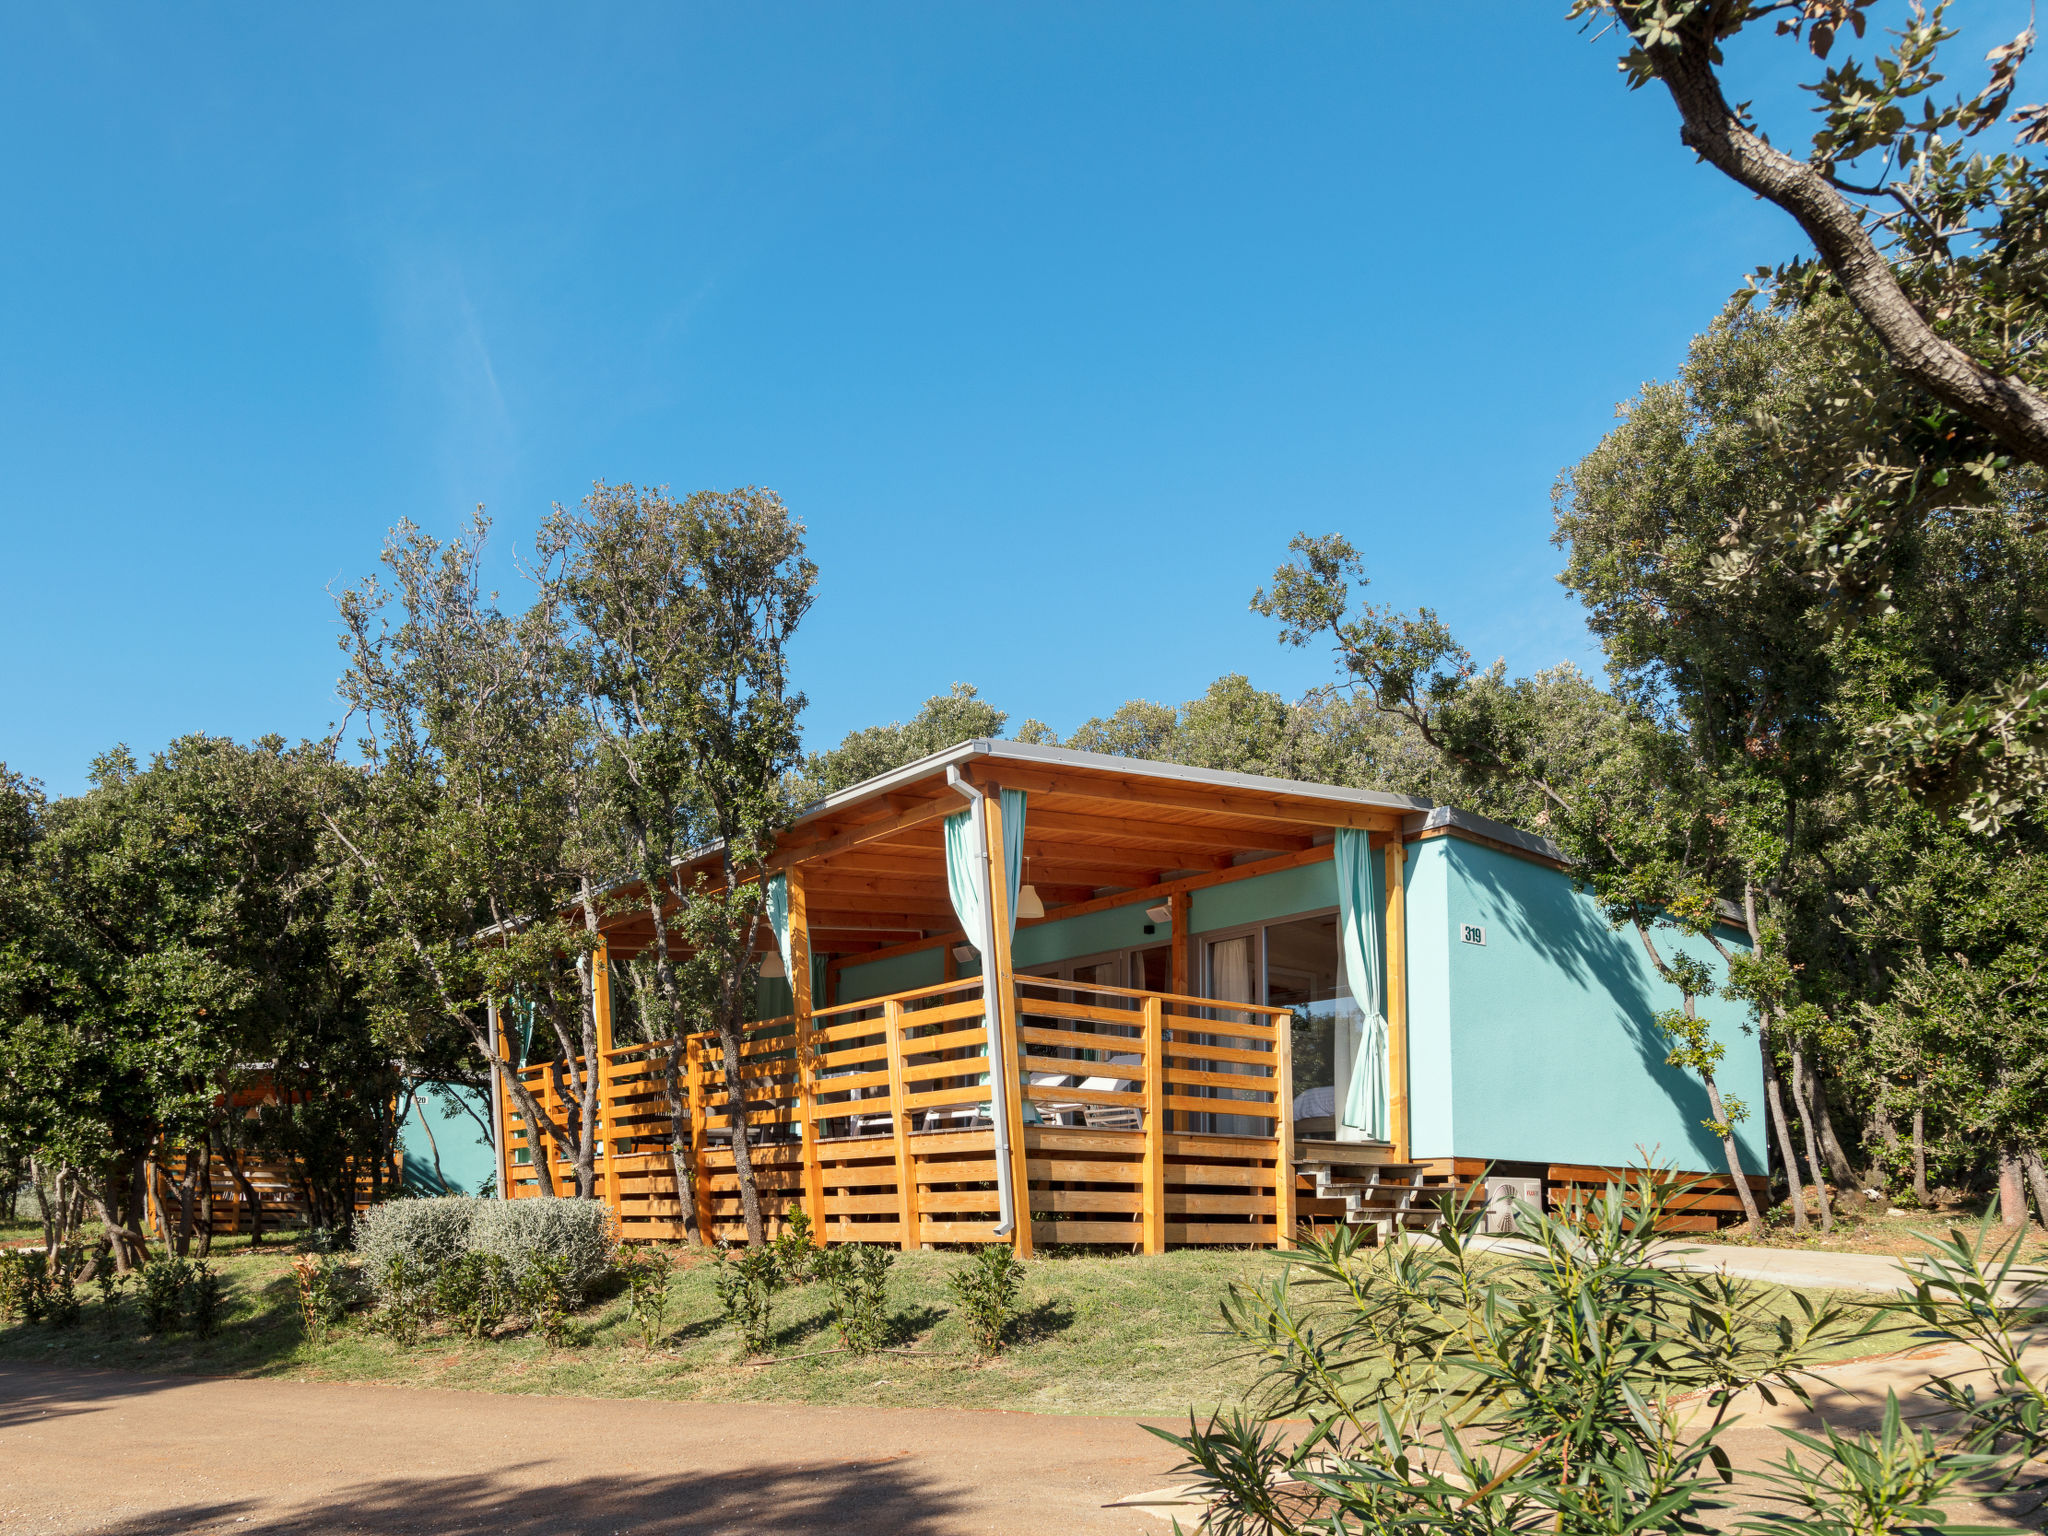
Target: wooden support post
[
  {"x": 1283, "y": 1128},
  {"x": 601, "y": 1077},
  {"x": 1154, "y": 1048},
  {"x": 1183, "y": 904},
  {"x": 501, "y": 1109},
  {"x": 899, "y": 1117},
  {"x": 1397, "y": 998},
  {"x": 700, "y": 1136},
  {"x": 806, "y": 1050},
  {"x": 999, "y": 993}
]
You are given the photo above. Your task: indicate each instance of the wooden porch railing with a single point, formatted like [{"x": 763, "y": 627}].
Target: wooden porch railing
[{"x": 1140, "y": 1107}]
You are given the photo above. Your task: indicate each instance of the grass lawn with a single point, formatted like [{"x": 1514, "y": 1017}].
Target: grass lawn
[
  {"x": 1127, "y": 1335},
  {"x": 1122, "y": 1335}
]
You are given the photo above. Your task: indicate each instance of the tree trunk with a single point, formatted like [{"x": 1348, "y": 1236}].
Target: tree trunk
[
  {"x": 539, "y": 1128},
  {"x": 679, "y": 1142},
  {"x": 125, "y": 1245},
  {"x": 1774, "y": 1108},
  {"x": 185, "y": 1189},
  {"x": 1920, "y": 1143},
  {"x": 2012, "y": 1193},
  {"x": 2037, "y": 1180},
  {"x": 152, "y": 1198},
  {"x": 250, "y": 1203},
  {"x": 206, "y": 1194},
  {"x": 1820, "y": 1184},
  {"x": 1838, "y": 1160},
  {"x": 1734, "y": 1156},
  {"x": 1888, "y": 1137},
  {"x": 742, "y": 1159}
]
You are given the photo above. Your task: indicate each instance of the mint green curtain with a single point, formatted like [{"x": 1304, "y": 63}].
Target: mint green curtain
[
  {"x": 777, "y": 893},
  {"x": 960, "y": 873},
  {"x": 1359, "y": 926},
  {"x": 960, "y": 853}
]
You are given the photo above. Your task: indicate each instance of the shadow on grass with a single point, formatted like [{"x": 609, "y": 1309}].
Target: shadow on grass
[
  {"x": 1034, "y": 1324},
  {"x": 912, "y": 1323}
]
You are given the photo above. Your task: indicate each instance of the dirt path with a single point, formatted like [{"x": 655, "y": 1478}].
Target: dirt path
[{"x": 113, "y": 1452}]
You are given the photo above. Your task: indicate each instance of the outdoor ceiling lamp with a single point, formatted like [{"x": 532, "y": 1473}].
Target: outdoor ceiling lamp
[
  {"x": 1163, "y": 913},
  {"x": 771, "y": 964},
  {"x": 1028, "y": 904}
]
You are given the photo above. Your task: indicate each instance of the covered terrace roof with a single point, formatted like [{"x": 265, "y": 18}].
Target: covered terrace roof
[{"x": 1098, "y": 830}]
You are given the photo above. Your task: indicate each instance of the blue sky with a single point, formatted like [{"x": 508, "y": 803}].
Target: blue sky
[{"x": 1054, "y": 323}]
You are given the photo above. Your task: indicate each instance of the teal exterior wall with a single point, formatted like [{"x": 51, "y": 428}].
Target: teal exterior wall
[
  {"x": 1118, "y": 928},
  {"x": 1538, "y": 1046},
  {"x": 1263, "y": 897},
  {"x": 878, "y": 978},
  {"x": 447, "y": 1151},
  {"x": 1431, "y": 1128},
  {"x": 1548, "y": 1028}
]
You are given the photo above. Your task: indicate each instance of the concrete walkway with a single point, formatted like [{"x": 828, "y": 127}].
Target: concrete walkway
[
  {"x": 1803, "y": 1269},
  {"x": 120, "y": 1454}
]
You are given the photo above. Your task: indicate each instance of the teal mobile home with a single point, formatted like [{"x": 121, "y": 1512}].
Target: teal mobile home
[{"x": 1015, "y": 993}]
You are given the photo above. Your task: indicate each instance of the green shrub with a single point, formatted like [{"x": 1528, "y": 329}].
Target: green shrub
[
  {"x": 858, "y": 1275},
  {"x": 987, "y": 1290},
  {"x": 795, "y": 1256},
  {"x": 429, "y": 1233},
  {"x": 747, "y": 1282},
  {"x": 14, "y": 1284},
  {"x": 328, "y": 1287},
  {"x": 544, "y": 1295},
  {"x": 646, "y": 1273},
  {"x": 575, "y": 1234},
  {"x": 111, "y": 1283},
  {"x": 163, "y": 1293},
  {"x": 405, "y": 1300},
  {"x": 60, "y": 1287},
  {"x": 475, "y": 1292},
  {"x": 208, "y": 1299}
]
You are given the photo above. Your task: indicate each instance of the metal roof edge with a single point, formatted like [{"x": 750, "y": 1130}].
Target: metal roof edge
[{"x": 1442, "y": 817}]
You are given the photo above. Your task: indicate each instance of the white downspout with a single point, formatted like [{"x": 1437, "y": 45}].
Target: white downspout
[{"x": 985, "y": 941}]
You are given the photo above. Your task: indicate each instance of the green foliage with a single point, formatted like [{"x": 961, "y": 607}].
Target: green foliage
[
  {"x": 747, "y": 1281},
  {"x": 858, "y": 1276},
  {"x": 796, "y": 1257},
  {"x": 206, "y": 1299},
  {"x": 684, "y": 612},
  {"x": 1921, "y": 225},
  {"x": 60, "y": 1301},
  {"x": 328, "y": 1286},
  {"x": 429, "y": 1233},
  {"x": 163, "y": 1293},
  {"x": 1565, "y": 1371},
  {"x": 14, "y": 1284},
  {"x": 646, "y": 1272},
  {"x": 945, "y": 720},
  {"x": 545, "y": 1292},
  {"x": 110, "y": 1282},
  {"x": 573, "y": 1238},
  {"x": 986, "y": 1288},
  {"x": 474, "y": 1291},
  {"x": 405, "y": 1300}
]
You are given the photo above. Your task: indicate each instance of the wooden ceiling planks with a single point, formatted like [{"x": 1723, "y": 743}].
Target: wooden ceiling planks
[{"x": 875, "y": 871}]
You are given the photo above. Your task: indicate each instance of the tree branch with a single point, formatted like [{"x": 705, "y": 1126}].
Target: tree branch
[{"x": 2014, "y": 414}]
